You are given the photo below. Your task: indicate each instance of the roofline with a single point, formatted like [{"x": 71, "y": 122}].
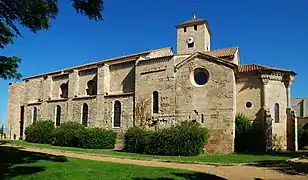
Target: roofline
[
  {"x": 101, "y": 62},
  {"x": 269, "y": 69},
  {"x": 195, "y": 23},
  {"x": 217, "y": 59}
]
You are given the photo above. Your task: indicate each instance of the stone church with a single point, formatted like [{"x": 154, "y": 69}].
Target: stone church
[{"x": 158, "y": 88}]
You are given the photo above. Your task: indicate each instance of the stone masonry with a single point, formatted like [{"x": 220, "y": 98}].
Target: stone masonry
[{"x": 158, "y": 88}]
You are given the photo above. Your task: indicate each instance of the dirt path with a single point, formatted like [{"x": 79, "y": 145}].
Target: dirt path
[{"x": 281, "y": 171}]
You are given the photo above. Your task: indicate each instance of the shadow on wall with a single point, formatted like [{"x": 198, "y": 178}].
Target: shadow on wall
[
  {"x": 12, "y": 157},
  {"x": 128, "y": 83},
  {"x": 195, "y": 176},
  {"x": 249, "y": 85}
]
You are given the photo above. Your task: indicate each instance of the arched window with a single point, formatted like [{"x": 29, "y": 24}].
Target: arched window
[
  {"x": 85, "y": 114},
  {"x": 34, "y": 115},
  {"x": 276, "y": 109},
  {"x": 155, "y": 102},
  {"x": 92, "y": 87},
  {"x": 58, "y": 115},
  {"x": 117, "y": 114},
  {"x": 64, "y": 90}
]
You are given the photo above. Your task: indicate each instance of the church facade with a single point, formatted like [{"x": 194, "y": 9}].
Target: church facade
[{"x": 158, "y": 88}]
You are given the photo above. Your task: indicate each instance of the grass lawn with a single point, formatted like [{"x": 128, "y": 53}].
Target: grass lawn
[
  {"x": 205, "y": 159},
  {"x": 17, "y": 164}
]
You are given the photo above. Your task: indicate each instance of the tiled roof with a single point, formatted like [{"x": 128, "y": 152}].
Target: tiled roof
[
  {"x": 256, "y": 67},
  {"x": 223, "y": 52}
]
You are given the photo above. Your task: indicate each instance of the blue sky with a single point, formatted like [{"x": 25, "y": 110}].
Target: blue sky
[{"x": 273, "y": 33}]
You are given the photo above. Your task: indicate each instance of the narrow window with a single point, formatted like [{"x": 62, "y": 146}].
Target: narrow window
[
  {"x": 21, "y": 125},
  {"x": 85, "y": 114},
  {"x": 301, "y": 106},
  {"x": 276, "y": 109},
  {"x": 117, "y": 114},
  {"x": 195, "y": 27},
  {"x": 185, "y": 29},
  {"x": 64, "y": 90},
  {"x": 58, "y": 115},
  {"x": 155, "y": 102},
  {"x": 202, "y": 118},
  {"x": 34, "y": 115}
]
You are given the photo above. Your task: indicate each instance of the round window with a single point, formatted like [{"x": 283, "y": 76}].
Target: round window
[
  {"x": 200, "y": 76},
  {"x": 248, "y": 104}
]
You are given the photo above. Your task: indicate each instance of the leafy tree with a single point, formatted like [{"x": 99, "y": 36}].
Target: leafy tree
[{"x": 34, "y": 15}]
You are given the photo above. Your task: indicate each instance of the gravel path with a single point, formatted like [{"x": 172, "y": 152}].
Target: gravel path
[{"x": 282, "y": 171}]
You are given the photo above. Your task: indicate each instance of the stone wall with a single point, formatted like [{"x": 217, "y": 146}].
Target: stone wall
[
  {"x": 215, "y": 101},
  {"x": 33, "y": 90},
  {"x": 57, "y": 81},
  {"x": 15, "y": 100},
  {"x": 122, "y": 77},
  {"x": 83, "y": 78},
  {"x": 248, "y": 90},
  {"x": 277, "y": 94},
  {"x": 201, "y": 39},
  {"x": 154, "y": 75},
  {"x": 127, "y": 111}
]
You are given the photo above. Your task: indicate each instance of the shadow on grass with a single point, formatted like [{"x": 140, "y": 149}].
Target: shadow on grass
[
  {"x": 285, "y": 167},
  {"x": 195, "y": 176},
  {"x": 14, "y": 161},
  {"x": 288, "y": 154}
]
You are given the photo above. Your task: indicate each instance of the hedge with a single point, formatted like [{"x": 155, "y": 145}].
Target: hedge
[
  {"x": 302, "y": 137},
  {"x": 248, "y": 135},
  {"x": 98, "y": 138},
  {"x": 68, "y": 134},
  {"x": 185, "y": 139},
  {"x": 137, "y": 140},
  {"x": 40, "y": 132}
]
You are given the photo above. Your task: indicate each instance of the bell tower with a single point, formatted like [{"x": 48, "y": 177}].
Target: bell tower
[{"x": 193, "y": 36}]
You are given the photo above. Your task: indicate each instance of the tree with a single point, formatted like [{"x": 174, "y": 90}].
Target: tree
[
  {"x": 2, "y": 131},
  {"x": 34, "y": 15}
]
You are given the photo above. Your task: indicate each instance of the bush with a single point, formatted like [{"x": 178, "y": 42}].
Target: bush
[
  {"x": 40, "y": 132},
  {"x": 98, "y": 138},
  {"x": 243, "y": 133},
  {"x": 185, "y": 139},
  {"x": 68, "y": 134},
  {"x": 137, "y": 140},
  {"x": 302, "y": 137}
]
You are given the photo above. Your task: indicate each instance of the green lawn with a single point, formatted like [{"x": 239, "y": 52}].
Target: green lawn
[
  {"x": 17, "y": 164},
  {"x": 206, "y": 159}
]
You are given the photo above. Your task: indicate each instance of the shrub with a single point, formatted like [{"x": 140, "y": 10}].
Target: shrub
[
  {"x": 40, "y": 132},
  {"x": 98, "y": 138},
  {"x": 185, "y": 139},
  {"x": 68, "y": 134},
  {"x": 243, "y": 133},
  {"x": 137, "y": 140},
  {"x": 302, "y": 137}
]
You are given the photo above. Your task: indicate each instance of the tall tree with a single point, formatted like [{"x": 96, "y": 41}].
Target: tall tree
[{"x": 34, "y": 15}]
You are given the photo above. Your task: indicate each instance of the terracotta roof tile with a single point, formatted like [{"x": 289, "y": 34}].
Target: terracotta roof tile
[
  {"x": 255, "y": 67},
  {"x": 223, "y": 52}
]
